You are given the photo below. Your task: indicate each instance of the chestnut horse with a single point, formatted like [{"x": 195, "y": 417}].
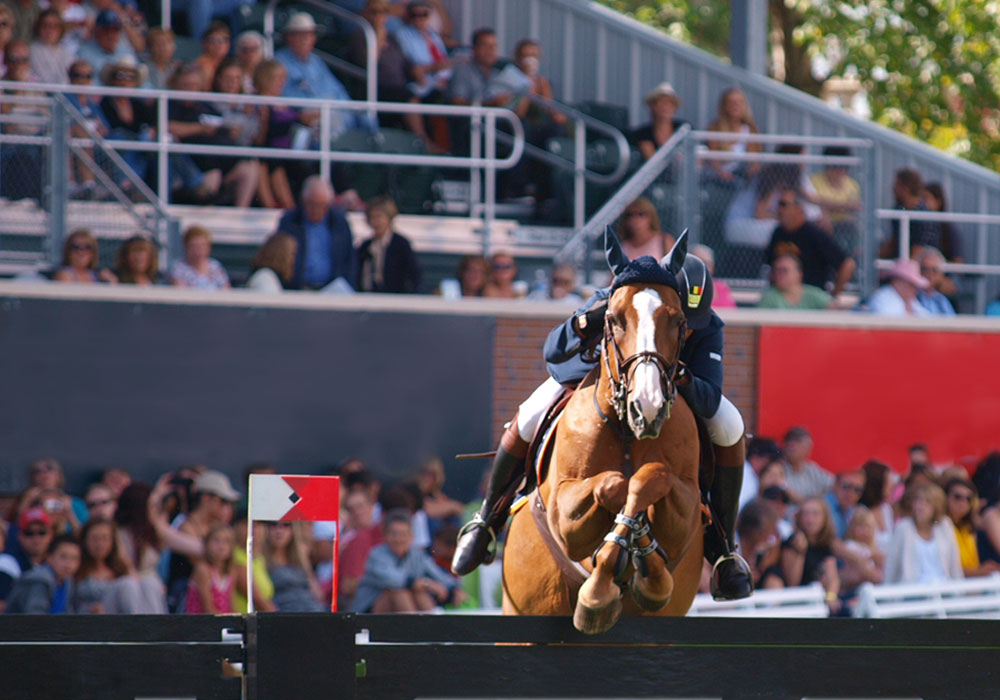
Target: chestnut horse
[{"x": 622, "y": 479}]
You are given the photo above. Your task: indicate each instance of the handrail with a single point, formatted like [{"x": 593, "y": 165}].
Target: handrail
[
  {"x": 631, "y": 189},
  {"x": 371, "y": 41}
]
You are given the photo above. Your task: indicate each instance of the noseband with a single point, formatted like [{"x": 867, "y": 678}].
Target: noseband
[{"x": 625, "y": 367}]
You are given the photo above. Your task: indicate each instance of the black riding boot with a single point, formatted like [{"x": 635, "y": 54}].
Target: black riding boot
[
  {"x": 731, "y": 578},
  {"x": 477, "y": 539}
]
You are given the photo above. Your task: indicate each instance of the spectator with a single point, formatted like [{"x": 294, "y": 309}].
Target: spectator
[
  {"x": 844, "y": 497},
  {"x": 777, "y": 496},
  {"x": 278, "y": 129},
  {"x": 9, "y": 568},
  {"x": 787, "y": 290},
  {"x": 132, "y": 20},
  {"x": 116, "y": 479},
  {"x": 263, "y": 588},
  {"x": 440, "y": 509},
  {"x": 805, "y": 478},
  {"x": 473, "y": 271},
  {"x": 424, "y": 50},
  {"x": 198, "y": 269},
  {"x": 131, "y": 118},
  {"x": 898, "y": 296},
  {"x": 923, "y": 547},
  {"x": 773, "y": 473},
  {"x": 241, "y": 119},
  {"x": 948, "y": 237},
  {"x": 908, "y": 190},
  {"x": 476, "y": 82},
  {"x": 393, "y": 68},
  {"x": 196, "y": 122},
  {"x": 308, "y": 75},
  {"x": 273, "y": 264},
  {"x": 21, "y": 119},
  {"x": 840, "y": 197},
  {"x": 84, "y": 184},
  {"x": 249, "y": 54},
  {"x": 808, "y": 554},
  {"x": 760, "y": 452},
  {"x": 101, "y": 502},
  {"x": 108, "y": 44},
  {"x": 7, "y": 23},
  {"x": 759, "y": 543},
  {"x": 25, "y": 14},
  {"x": 987, "y": 481},
  {"x": 639, "y": 231},
  {"x": 48, "y": 587},
  {"x": 79, "y": 260},
  {"x": 963, "y": 510},
  {"x": 879, "y": 484},
  {"x": 862, "y": 559},
  {"x": 212, "y": 505},
  {"x": 723, "y": 296},
  {"x": 564, "y": 286},
  {"x": 162, "y": 63},
  {"x": 387, "y": 261},
  {"x": 33, "y": 536},
  {"x": 502, "y": 279},
  {"x": 75, "y": 19},
  {"x": 325, "y": 243},
  {"x": 199, "y": 13},
  {"x": 930, "y": 261},
  {"x": 47, "y": 473},
  {"x": 362, "y": 534},
  {"x": 823, "y": 261},
  {"x": 59, "y": 505},
  {"x": 295, "y": 586},
  {"x": 210, "y": 589},
  {"x": 663, "y": 104},
  {"x": 137, "y": 262},
  {"x": 215, "y": 44},
  {"x": 50, "y": 58},
  {"x": 734, "y": 117},
  {"x": 104, "y": 583},
  {"x": 400, "y": 577}
]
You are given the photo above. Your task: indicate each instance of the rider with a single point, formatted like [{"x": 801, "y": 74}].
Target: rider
[{"x": 699, "y": 382}]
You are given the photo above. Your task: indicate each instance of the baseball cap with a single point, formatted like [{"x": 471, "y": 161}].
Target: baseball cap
[
  {"x": 33, "y": 515},
  {"x": 109, "y": 19},
  {"x": 217, "y": 484}
]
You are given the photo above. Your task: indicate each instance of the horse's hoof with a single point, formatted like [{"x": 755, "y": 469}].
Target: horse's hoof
[
  {"x": 595, "y": 613},
  {"x": 597, "y": 620},
  {"x": 644, "y": 599}
]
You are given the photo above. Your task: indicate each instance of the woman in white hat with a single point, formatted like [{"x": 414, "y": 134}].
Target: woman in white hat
[{"x": 663, "y": 103}]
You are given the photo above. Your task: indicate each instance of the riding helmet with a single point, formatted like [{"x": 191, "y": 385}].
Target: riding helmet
[{"x": 697, "y": 291}]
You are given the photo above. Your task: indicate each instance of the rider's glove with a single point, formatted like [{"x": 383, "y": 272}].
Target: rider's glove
[
  {"x": 589, "y": 324},
  {"x": 683, "y": 376}
]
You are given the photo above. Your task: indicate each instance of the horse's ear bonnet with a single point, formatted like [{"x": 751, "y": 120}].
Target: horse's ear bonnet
[
  {"x": 674, "y": 260},
  {"x": 645, "y": 269}
]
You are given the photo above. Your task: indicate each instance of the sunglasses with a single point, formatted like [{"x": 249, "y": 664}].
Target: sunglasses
[
  {"x": 852, "y": 487},
  {"x": 784, "y": 203},
  {"x": 98, "y": 504},
  {"x": 36, "y": 533}
]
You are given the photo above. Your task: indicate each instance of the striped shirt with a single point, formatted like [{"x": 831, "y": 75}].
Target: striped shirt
[{"x": 811, "y": 480}]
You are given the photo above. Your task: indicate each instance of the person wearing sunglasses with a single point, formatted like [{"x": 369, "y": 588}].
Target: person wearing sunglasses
[
  {"x": 843, "y": 498},
  {"x": 80, "y": 261}
]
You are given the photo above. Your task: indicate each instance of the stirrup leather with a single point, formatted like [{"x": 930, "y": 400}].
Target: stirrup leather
[{"x": 477, "y": 523}]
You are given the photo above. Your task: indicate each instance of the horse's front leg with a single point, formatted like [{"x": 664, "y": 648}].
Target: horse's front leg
[
  {"x": 585, "y": 508},
  {"x": 652, "y": 584}
]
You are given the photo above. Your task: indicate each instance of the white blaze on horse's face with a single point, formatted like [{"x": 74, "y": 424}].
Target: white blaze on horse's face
[{"x": 646, "y": 402}]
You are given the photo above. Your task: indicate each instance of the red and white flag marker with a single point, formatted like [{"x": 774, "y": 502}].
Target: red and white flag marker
[{"x": 291, "y": 498}]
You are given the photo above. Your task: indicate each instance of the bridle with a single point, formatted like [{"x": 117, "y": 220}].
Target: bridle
[{"x": 625, "y": 367}]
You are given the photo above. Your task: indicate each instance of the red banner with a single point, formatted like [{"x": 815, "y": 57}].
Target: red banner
[{"x": 870, "y": 394}]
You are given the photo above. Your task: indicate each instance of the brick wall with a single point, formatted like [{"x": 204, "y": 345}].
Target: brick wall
[{"x": 518, "y": 367}]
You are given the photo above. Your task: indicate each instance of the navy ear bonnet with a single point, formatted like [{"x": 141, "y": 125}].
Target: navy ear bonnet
[{"x": 645, "y": 270}]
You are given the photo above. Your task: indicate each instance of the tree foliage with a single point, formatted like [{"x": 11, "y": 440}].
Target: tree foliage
[{"x": 929, "y": 68}]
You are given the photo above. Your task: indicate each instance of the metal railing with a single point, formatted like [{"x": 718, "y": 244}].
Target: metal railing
[
  {"x": 982, "y": 270},
  {"x": 369, "y": 73}
]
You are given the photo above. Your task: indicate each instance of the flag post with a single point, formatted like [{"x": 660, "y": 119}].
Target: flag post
[
  {"x": 336, "y": 567},
  {"x": 250, "y": 545}
]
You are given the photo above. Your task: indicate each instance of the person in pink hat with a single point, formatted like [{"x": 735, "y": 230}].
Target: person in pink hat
[{"x": 898, "y": 296}]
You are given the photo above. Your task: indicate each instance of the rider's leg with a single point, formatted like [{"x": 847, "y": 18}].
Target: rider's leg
[
  {"x": 730, "y": 574},
  {"x": 480, "y": 533}
]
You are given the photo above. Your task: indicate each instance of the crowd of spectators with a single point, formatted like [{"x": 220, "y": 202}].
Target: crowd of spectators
[
  {"x": 179, "y": 546},
  {"x": 800, "y": 524}
]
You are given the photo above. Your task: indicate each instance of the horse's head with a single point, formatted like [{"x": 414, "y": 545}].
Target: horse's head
[{"x": 644, "y": 331}]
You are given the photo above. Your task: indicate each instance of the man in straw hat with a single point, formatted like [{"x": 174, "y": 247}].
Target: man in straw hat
[{"x": 308, "y": 75}]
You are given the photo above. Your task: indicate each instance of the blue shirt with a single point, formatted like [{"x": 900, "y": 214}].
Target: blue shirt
[
  {"x": 840, "y": 517},
  {"x": 98, "y": 57},
  {"x": 312, "y": 79},
  {"x": 60, "y": 599},
  {"x": 935, "y": 302},
  {"x": 319, "y": 254}
]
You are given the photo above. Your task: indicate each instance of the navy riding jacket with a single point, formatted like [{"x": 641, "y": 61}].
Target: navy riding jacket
[{"x": 702, "y": 353}]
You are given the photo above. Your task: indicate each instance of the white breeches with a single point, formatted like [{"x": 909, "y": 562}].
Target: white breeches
[
  {"x": 726, "y": 426},
  {"x": 533, "y": 408}
]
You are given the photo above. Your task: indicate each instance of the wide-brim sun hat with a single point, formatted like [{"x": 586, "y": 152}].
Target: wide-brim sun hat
[
  {"x": 909, "y": 270},
  {"x": 125, "y": 63},
  {"x": 217, "y": 484}
]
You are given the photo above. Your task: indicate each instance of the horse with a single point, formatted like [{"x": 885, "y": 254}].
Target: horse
[{"x": 620, "y": 495}]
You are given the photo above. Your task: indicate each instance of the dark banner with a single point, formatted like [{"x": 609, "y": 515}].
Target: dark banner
[{"x": 150, "y": 387}]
